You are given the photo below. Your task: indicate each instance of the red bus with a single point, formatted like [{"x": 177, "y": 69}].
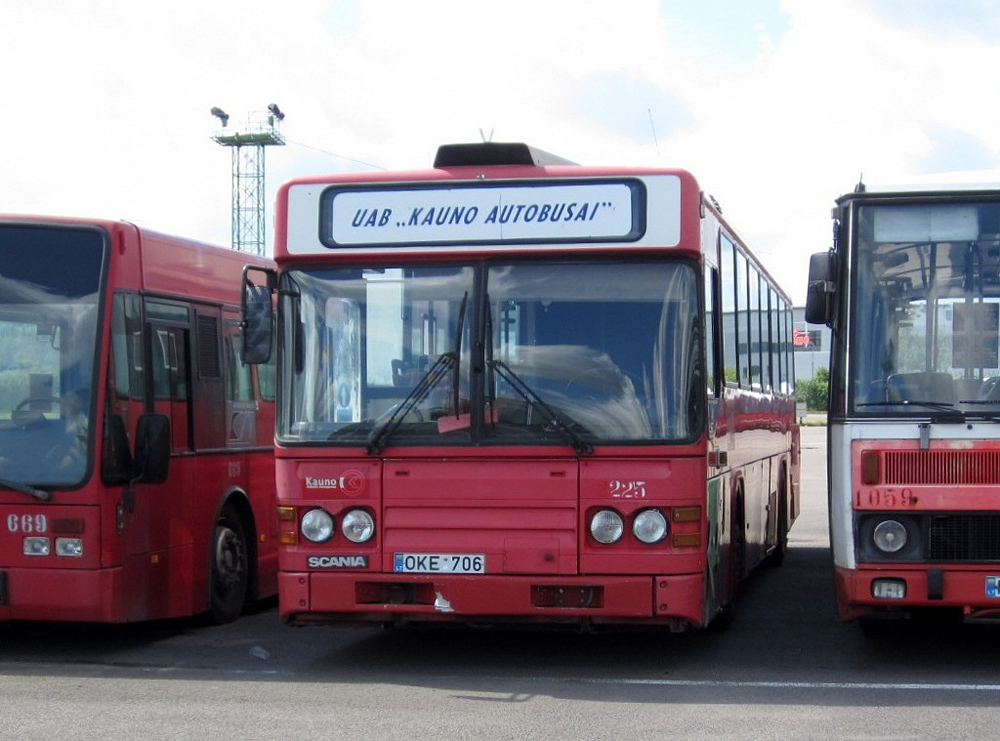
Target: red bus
[
  {"x": 912, "y": 292},
  {"x": 502, "y": 396},
  {"x": 136, "y": 448}
]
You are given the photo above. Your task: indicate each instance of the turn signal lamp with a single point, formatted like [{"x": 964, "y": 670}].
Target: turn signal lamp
[
  {"x": 687, "y": 514},
  {"x": 870, "y": 469},
  {"x": 287, "y": 534}
]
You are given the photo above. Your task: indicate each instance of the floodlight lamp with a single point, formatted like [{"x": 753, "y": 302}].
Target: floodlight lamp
[
  {"x": 276, "y": 112},
  {"x": 220, "y": 114}
]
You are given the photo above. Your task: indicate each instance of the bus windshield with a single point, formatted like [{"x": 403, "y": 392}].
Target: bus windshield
[
  {"x": 926, "y": 335},
  {"x": 545, "y": 352},
  {"x": 49, "y": 287}
]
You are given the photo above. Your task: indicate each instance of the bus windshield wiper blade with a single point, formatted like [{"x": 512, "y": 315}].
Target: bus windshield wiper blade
[
  {"x": 942, "y": 405},
  {"x": 942, "y": 410},
  {"x": 39, "y": 494},
  {"x": 456, "y": 376},
  {"x": 381, "y": 434},
  {"x": 503, "y": 370}
]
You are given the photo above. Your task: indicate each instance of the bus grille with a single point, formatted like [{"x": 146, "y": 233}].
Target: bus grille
[
  {"x": 964, "y": 538},
  {"x": 942, "y": 467}
]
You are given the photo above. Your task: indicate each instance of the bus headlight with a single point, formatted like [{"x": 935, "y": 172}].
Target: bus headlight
[
  {"x": 36, "y": 546},
  {"x": 650, "y": 526},
  {"x": 606, "y": 526},
  {"x": 357, "y": 526},
  {"x": 317, "y": 525},
  {"x": 889, "y": 536},
  {"x": 69, "y": 547}
]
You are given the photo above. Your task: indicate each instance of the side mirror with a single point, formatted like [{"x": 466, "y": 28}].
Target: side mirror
[
  {"x": 821, "y": 290},
  {"x": 152, "y": 449},
  {"x": 257, "y": 317}
]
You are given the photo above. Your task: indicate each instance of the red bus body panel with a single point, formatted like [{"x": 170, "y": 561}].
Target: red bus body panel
[
  {"x": 947, "y": 478},
  {"x": 147, "y": 547}
]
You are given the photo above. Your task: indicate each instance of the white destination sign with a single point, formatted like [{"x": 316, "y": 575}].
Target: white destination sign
[{"x": 485, "y": 214}]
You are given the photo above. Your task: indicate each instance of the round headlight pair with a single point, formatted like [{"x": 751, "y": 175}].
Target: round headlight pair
[
  {"x": 317, "y": 525},
  {"x": 649, "y": 526}
]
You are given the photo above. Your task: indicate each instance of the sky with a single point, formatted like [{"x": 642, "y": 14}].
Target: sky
[{"x": 776, "y": 106}]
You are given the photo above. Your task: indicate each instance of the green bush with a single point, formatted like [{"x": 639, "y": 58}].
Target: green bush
[{"x": 814, "y": 392}]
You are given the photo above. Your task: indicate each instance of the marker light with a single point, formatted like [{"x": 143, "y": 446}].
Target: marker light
[
  {"x": 317, "y": 525},
  {"x": 889, "y": 536},
  {"x": 357, "y": 526},
  {"x": 606, "y": 526}
]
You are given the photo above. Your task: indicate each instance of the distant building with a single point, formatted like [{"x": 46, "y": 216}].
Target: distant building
[{"x": 812, "y": 345}]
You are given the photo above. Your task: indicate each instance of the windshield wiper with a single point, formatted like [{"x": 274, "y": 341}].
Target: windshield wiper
[
  {"x": 503, "y": 370},
  {"x": 456, "y": 377},
  {"x": 381, "y": 434},
  {"x": 946, "y": 412},
  {"x": 39, "y": 494}
]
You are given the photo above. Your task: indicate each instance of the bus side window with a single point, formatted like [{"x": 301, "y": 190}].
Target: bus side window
[
  {"x": 711, "y": 336},
  {"x": 730, "y": 326}
]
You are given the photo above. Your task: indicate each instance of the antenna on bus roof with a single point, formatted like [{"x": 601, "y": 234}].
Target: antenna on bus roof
[
  {"x": 860, "y": 187},
  {"x": 484, "y": 138},
  {"x": 652, "y": 127}
]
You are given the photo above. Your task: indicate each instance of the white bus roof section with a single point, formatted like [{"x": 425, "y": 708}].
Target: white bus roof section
[{"x": 943, "y": 182}]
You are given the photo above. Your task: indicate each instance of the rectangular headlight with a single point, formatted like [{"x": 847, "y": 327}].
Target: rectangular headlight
[
  {"x": 36, "y": 546},
  {"x": 69, "y": 547},
  {"x": 888, "y": 589}
]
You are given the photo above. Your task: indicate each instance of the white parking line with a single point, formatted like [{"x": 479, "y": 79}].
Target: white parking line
[{"x": 761, "y": 684}]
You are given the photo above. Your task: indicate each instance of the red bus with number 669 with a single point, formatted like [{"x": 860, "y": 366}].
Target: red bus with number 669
[
  {"x": 516, "y": 389},
  {"x": 136, "y": 464}
]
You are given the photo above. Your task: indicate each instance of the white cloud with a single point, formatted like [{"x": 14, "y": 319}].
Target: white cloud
[{"x": 106, "y": 103}]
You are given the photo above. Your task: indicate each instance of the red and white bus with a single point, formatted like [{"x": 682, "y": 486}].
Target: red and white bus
[
  {"x": 136, "y": 448},
  {"x": 501, "y": 396},
  {"x": 912, "y": 292}
]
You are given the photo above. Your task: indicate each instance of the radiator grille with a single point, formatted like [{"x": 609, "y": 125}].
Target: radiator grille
[
  {"x": 942, "y": 467},
  {"x": 964, "y": 538}
]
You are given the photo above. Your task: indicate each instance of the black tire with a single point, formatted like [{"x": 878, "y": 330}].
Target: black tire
[
  {"x": 229, "y": 568},
  {"x": 739, "y": 544},
  {"x": 777, "y": 556},
  {"x": 738, "y": 560}
]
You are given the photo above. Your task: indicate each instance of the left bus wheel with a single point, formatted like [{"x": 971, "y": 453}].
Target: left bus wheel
[{"x": 229, "y": 568}]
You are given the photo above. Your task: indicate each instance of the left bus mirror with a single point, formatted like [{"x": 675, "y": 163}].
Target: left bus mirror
[
  {"x": 257, "y": 317},
  {"x": 819, "y": 303},
  {"x": 152, "y": 449}
]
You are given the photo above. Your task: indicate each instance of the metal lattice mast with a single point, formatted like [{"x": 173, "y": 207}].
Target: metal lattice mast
[{"x": 262, "y": 130}]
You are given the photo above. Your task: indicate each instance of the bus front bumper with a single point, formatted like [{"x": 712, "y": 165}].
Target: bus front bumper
[
  {"x": 61, "y": 595},
  {"x": 306, "y": 598},
  {"x": 873, "y": 591}
]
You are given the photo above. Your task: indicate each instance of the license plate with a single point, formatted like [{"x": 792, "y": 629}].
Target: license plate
[
  {"x": 993, "y": 586},
  {"x": 439, "y": 563}
]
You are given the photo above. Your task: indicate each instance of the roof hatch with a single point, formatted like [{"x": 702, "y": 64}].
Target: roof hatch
[{"x": 494, "y": 153}]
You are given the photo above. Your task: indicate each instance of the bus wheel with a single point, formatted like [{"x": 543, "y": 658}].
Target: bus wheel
[
  {"x": 229, "y": 576},
  {"x": 739, "y": 544},
  {"x": 777, "y": 556}
]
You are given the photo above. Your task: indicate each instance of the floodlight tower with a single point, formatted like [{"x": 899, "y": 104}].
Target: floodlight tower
[{"x": 248, "y": 172}]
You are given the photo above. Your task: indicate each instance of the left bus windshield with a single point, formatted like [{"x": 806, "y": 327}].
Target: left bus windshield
[
  {"x": 49, "y": 286},
  {"x": 547, "y": 351}
]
